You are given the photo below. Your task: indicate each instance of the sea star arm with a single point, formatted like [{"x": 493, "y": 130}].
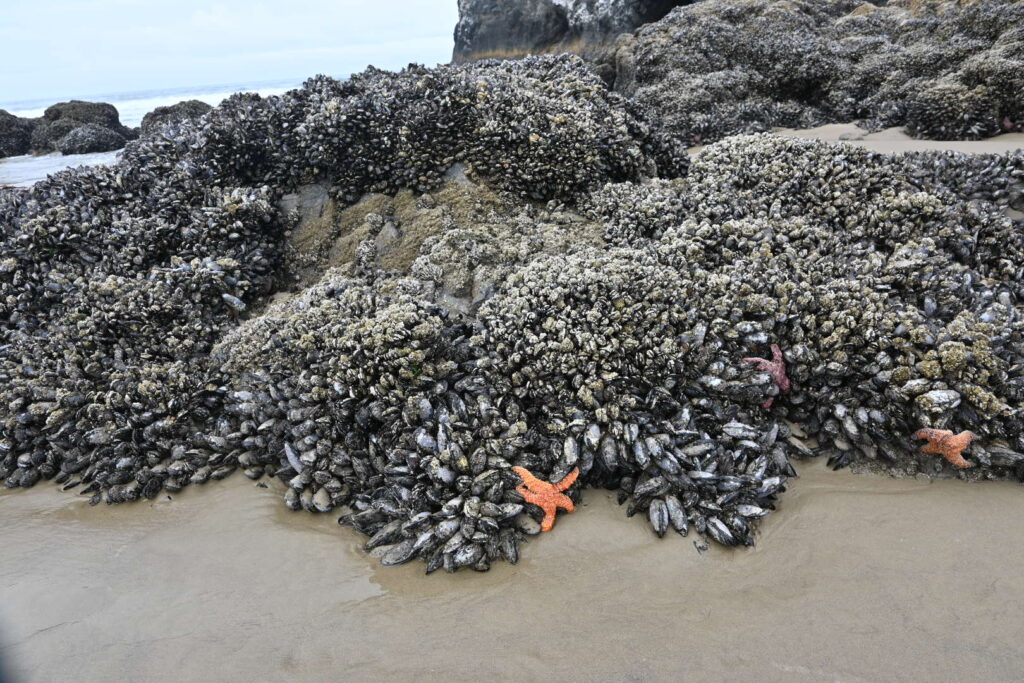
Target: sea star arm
[
  {"x": 779, "y": 364},
  {"x": 549, "y": 517},
  {"x": 529, "y": 481},
  {"x": 762, "y": 363},
  {"x": 776, "y": 367},
  {"x": 569, "y": 480}
]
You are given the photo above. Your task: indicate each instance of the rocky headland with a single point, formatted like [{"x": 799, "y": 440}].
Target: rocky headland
[{"x": 399, "y": 297}]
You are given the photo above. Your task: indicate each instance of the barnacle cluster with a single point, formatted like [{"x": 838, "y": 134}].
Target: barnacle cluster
[
  {"x": 517, "y": 270},
  {"x": 943, "y": 70}
]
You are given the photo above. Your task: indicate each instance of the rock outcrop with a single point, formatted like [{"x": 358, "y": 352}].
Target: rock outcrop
[
  {"x": 513, "y": 28},
  {"x": 15, "y": 134},
  {"x": 46, "y": 134},
  {"x": 61, "y": 119},
  {"x": 175, "y": 113},
  {"x": 944, "y": 69},
  {"x": 90, "y": 138},
  {"x": 100, "y": 113}
]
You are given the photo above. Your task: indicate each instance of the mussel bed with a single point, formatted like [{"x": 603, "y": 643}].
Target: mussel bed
[{"x": 597, "y": 311}]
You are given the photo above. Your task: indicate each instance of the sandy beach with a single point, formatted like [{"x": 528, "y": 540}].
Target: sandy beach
[
  {"x": 895, "y": 140},
  {"x": 857, "y": 579}
]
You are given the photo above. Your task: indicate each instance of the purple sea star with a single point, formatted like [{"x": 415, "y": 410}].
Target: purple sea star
[{"x": 776, "y": 367}]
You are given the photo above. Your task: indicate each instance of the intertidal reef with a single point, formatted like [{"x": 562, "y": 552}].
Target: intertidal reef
[
  {"x": 944, "y": 70},
  {"x": 397, "y": 293}
]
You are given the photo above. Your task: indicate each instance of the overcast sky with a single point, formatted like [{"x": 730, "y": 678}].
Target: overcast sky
[{"x": 63, "y": 48}]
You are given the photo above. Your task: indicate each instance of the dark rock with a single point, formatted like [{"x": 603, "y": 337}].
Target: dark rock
[
  {"x": 175, "y": 113},
  {"x": 489, "y": 28},
  {"x": 47, "y": 133},
  {"x": 51, "y": 132},
  {"x": 62, "y": 118},
  {"x": 90, "y": 138},
  {"x": 512, "y": 28},
  {"x": 15, "y": 134},
  {"x": 100, "y": 113}
]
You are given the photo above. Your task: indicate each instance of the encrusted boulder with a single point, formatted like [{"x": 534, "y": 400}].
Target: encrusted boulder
[
  {"x": 15, "y": 134},
  {"x": 100, "y": 113},
  {"x": 60, "y": 119},
  {"x": 175, "y": 113},
  {"x": 397, "y": 293},
  {"x": 90, "y": 138}
]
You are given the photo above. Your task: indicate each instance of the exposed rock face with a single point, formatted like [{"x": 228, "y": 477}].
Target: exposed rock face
[
  {"x": 175, "y": 113},
  {"x": 90, "y": 138},
  {"x": 15, "y": 134},
  {"x": 512, "y": 28},
  {"x": 460, "y": 241}
]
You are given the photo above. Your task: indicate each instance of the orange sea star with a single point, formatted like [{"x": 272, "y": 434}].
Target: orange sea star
[
  {"x": 947, "y": 444},
  {"x": 545, "y": 495}
]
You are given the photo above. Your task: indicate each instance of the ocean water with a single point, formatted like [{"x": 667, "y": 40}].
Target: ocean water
[
  {"x": 25, "y": 170},
  {"x": 132, "y": 106}
]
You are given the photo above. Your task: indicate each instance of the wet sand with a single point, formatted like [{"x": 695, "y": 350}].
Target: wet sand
[
  {"x": 897, "y": 140},
  {"x": 856, "y": 578}
]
